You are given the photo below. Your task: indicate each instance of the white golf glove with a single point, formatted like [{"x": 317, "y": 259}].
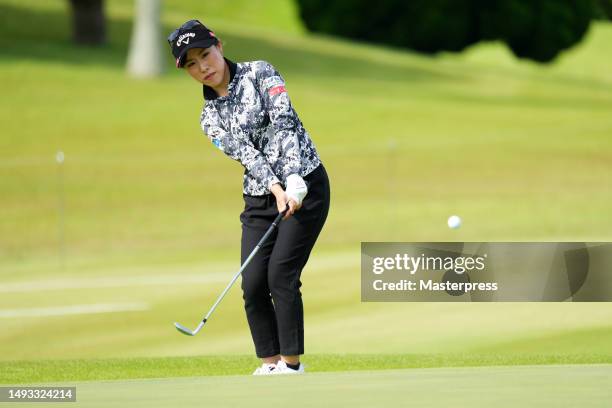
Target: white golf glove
[{"x": 296, "y": 188}]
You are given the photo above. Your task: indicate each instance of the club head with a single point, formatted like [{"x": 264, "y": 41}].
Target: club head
[{"x": 183, "y": 329}]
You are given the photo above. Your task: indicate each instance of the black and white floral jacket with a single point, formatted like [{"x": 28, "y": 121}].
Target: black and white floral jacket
[{"x": 256, "y": 125}]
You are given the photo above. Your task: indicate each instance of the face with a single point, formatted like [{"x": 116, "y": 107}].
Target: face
[{"x": 206, "y": 65}]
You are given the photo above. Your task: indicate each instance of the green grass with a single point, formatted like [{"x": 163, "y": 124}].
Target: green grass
[
  {"x": 24, "y": 372},
  {"x": 528, "y": 386},
  {"x": 520, "y": 151}
]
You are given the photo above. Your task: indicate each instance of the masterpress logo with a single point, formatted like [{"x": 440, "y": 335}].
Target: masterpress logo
[
  {"x": 485, "y": 271},
  {"x": 407, "y": 263}
]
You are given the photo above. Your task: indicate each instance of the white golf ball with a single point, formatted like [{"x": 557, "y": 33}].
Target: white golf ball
[{"x": 454, "y": 222}]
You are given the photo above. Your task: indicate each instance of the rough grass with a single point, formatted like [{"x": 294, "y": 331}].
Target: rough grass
[{"x": 23, "y": 372}]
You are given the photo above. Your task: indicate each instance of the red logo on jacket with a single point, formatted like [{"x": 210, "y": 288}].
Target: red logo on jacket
[{"x": 276, "y": 90}]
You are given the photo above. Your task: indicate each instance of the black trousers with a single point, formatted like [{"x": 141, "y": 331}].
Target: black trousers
[{"x": 271, "y": 282}]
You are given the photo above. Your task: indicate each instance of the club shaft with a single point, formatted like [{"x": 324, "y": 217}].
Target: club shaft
[{"x": 245, "y": 264}]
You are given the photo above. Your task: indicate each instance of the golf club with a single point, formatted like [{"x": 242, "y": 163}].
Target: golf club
[{"x": 263, "y": 239}]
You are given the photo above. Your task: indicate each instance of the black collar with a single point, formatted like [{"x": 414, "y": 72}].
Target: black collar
[{"x": 209, "y": 93}]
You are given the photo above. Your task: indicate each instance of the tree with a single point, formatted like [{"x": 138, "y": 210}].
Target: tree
[
  {"x": 538, "y": 30},
  {"x": 145, "y": 55},
  {"x": 533, "y": 29},
  {"x": 605, "y": 9},
  {"x": 88, "y": 22}
]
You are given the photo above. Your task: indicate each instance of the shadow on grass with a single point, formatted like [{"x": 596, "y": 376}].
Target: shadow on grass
[
  {"x": 34, "y": 35},
  {"x": 42, "y": 35}
]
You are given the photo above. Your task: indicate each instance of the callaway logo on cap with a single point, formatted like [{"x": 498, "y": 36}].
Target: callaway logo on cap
[{"x": 184, "y": 39}]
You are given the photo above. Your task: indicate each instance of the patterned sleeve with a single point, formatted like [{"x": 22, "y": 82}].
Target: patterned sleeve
[
  {"x": 239, "y": 149},
  {"x": 282, "y": 116}
]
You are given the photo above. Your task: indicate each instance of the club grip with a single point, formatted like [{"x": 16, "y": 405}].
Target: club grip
[{"x": 281, "y": 215}]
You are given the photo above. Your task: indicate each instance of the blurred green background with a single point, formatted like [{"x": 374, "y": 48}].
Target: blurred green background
[{"x": 521, "y": 151}]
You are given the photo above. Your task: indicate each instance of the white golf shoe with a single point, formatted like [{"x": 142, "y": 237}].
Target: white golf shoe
[
  {"x": 265, "y": 369},
  {"x": 281, "y": 368}
]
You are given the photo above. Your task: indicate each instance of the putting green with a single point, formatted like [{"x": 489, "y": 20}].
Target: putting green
[{"x": 526, "y": 386}]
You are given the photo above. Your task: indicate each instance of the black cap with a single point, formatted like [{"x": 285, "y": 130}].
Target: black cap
[{"x": 192, "y": 34}]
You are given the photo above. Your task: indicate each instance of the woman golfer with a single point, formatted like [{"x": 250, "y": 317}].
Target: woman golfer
[{"x": 247, "y": 114}]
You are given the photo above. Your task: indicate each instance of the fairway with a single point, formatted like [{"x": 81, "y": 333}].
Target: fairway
[
  {"x": 128, "y": 311},
  {"x": 585, "y": 386}
]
